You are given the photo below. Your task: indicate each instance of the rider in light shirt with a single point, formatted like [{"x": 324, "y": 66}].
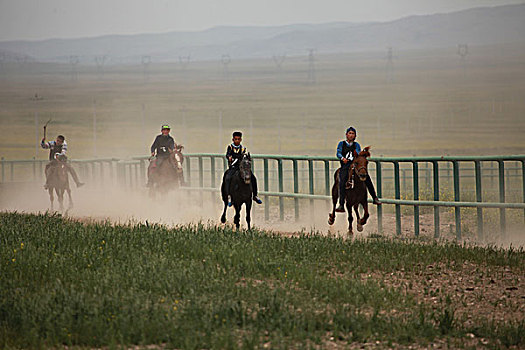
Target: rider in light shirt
[{"x": 57, "y": 150}]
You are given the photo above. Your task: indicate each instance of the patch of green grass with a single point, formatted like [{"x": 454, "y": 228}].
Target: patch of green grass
[{"x": 65, "y": 282}]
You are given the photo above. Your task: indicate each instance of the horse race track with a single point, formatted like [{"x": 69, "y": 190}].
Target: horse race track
[{"x": 64, "y": 282}]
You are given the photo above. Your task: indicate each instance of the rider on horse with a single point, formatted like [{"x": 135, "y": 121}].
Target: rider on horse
[
  {"x": 57, "y": 153},
  {"x": 163, "y": 145},
  {"x": 345, "y": 154},
  {"x": 234, "y": 154}
]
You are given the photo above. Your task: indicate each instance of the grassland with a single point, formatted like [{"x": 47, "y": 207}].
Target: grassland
[
  {"x": 65, "y": 282},
  {"x": 431, "y": 106}
]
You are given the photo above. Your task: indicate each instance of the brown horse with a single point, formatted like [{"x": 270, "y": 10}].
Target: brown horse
[
  {"x": 355, "y": 191},
  {"x": 58, "y": 181},
  {"x": 169, "y": 174}
]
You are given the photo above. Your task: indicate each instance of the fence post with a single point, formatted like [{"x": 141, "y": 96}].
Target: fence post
[
  {"x": 34, "y": 169},
  {"x": 501, "y": 178},
  {"x": 327, "y": 182},
  {"x": 435, "y": 166},
  {"x": 281, "y": 188},
  {"x": 201, "y": 173},
  {"x": 188, "y": 171},
  {"x": 457, "y": 210},
  {"x": 415, "y": 182},
  {"x": 477, "y": 165},
  {"x": 397, "y": 192},
  {"x": 12, "y": 171},
  {"x": 523, "y": 184},
  {"x": 212, "y": 170},
  {"x": 296, "y": 188},
  {"x": 379, "y": 184},
  {"x": 311, "y": 186},
  {"x": 3, "y": 170},
  {"x": 266, "y": 187}
]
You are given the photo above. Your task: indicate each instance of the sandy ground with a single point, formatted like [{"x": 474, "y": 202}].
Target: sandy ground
[{"x": 120, "y": 205}]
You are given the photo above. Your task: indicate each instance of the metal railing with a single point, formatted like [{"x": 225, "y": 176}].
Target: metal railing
[{"x": 311, "y": 178}]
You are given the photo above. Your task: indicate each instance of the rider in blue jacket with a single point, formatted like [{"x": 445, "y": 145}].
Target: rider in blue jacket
[{"x": 345, "y": 154}]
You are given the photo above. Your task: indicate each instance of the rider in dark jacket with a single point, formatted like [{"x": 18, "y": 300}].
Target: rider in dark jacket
[
  {"x": 234, "y": 154},
  {"x": 345, "y": 154},
  {"x": 163, "y": 145}
]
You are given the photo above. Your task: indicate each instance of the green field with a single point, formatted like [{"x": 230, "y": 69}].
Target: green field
[
  {"x": 432, "y": 106},
  {"x": 71, "y": 283}
]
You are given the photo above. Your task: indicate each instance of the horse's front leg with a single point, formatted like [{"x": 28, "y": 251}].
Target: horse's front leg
[
  {"x": 223, "y": 216},
  {"x": 60, "y": 195},
  {"x": 335, "y": 197},
  {"x": 237, "y": 217},
  {"x": 70, "y": 206},
  {"x": 350, "y": 217},
  {"x": 366, "y": 215},
  {"x": 51, "y": 198},
  {"x": 358, "y": 219},
  {"x": 248, "y": 214}
]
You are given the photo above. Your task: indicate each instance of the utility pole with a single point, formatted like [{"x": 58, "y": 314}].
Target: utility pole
[
  {"x": 73, "y": 62},
  {"x": 226, "y": 60},
  {"x": 145, "y": 61},
  {"x": 278, "y": 60},
  {"x": 95, "y": 128},
  {"x": 390, "y": 65},
  {"x": 184, "y": 61},
  {"x": 311, "y": 67},
  {"x": 463, "y": 52},
  {"x": 100, "y": 61}
]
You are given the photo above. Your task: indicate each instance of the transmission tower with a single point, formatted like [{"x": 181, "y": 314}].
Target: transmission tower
[
  {"x": 100, "y": 61},
  {"x": 463, "y": 52},
  {"x": 3, "y": 58},
  {"x": 390, "y": 64},
  {"x": 145, "y": 61},
  {"x": 184, "y": 61},
  {"x": 73, "y": 62},
  {"x": 311, "y": 67},
  {"x": 278, "y": 60},
  {"x": 226, "y": 60}
]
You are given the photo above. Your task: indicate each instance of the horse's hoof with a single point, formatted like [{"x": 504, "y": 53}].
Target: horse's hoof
[
  {"x": 359, "y": 227},
  {"x": 223, "y": 219},
  {"x": 331, "y": 219}
]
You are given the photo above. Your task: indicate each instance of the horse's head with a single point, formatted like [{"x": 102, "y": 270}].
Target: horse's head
[
  {"x": 245, "y": 168},
  {"x": 176, "y": 158},
  {"x": 361, "y": 163}
]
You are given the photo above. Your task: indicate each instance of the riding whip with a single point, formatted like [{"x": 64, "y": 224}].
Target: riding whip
[{"x": 45, "y": 126}]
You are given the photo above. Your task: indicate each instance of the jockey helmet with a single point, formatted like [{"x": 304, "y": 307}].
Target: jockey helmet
[{"x": 165, "y": 126}]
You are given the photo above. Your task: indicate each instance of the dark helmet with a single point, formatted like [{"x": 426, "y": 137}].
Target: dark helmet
[{"x": 165, "y": 126}]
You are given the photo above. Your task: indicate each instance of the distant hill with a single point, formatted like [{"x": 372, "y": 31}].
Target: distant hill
[{"x": 479, "y": 26}]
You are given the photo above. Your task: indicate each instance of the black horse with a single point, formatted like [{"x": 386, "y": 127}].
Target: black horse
[{"x": 240, "y": 191}]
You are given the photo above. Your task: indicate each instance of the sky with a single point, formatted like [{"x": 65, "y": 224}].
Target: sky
[{"x": 44, "y": 19}]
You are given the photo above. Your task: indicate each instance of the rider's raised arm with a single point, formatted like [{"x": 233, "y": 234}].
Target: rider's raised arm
[{"x": 339, "y": 152}]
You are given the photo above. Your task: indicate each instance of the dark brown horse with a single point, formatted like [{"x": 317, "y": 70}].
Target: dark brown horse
[
  {"x": 240, "y": 192},
  {"x": 355, "y": 191},
  {"x": 58, "y": 181},
  {"x": 168, "y": 175}
]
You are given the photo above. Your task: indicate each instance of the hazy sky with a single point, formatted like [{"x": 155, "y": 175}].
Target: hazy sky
[{"x": 42, "y": 19}]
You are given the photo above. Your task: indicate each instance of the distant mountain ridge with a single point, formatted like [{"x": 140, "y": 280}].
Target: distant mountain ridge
[{"x": 477, "y": 26}]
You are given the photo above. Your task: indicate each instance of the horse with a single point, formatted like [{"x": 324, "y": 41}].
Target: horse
[
  {"x": 240, "y": 192},
  {"x": 169, "y": 174},
  {"x": 355, "y": 192},
  {"x": 59, "y": 182}
]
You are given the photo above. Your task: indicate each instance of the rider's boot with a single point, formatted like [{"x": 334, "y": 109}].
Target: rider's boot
[
  {"x": 340, "y": 208},
  {"x": 257, "y": 200},
  {"x": 80, "y": 184},
  {"x": 376, "y": 201}
]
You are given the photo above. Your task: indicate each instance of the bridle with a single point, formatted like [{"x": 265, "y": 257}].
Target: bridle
[{"x": 354, "y": 171}]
